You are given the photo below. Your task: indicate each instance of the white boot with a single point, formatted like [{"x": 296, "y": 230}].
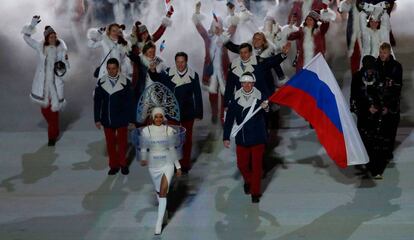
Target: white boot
[{"x": 162, "y": 205}]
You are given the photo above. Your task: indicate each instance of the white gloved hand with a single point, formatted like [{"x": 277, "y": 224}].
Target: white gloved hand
[
  {"x": 102, "y": 30},
  {"x": 225, "y": 37},
  {"x": 265, "y": 105},
  {"x": 35, "y": 20},
  {"x": 368, "y": 7},
  {"x": 198, "y": 7}
]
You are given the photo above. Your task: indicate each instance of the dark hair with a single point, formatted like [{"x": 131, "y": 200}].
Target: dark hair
[
  {"x": 246, "y": 45},
  {"x": 181, "y": 54},
  {"x": 46, "y": 42},
  {"x": 148, "y": 46},
  {"x": 113, "y": 61},
  {"x": 110, "y": 26},
  {"x": 315, "y": 26},
  {"x": 369, "y": 20},
  {"x": 368, "y": 62},
  {"x": 139, "y": 35}
]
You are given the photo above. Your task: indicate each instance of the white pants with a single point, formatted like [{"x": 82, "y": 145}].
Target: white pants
[{"x": 217, "y": 82}]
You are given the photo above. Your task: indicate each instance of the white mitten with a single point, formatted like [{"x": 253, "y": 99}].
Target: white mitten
[{"x": 35, "y": 20}]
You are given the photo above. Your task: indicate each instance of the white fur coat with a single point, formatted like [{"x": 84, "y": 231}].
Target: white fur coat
[
  {"x": 46, "y": 85},
  {"x": 119, "y": 51}
]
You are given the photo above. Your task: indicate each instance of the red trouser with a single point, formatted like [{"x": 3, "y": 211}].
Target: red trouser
[
  {"x": 355, "y": 58},
  {"x": 185, "y": 162},
  {"x": 214, "y": 104},
  {"x": 52, "y": 119},
  {"x": 249, "y": 162},
  {"x": 116, "y": 144}
]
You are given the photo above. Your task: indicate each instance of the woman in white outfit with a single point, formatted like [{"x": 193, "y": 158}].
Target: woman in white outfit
[
  {"x": 161, "y": 158},
  {"x": 113, "y": 45},
  {"x": 48, "y": 82},
  {"x": 375, "y": 28}
]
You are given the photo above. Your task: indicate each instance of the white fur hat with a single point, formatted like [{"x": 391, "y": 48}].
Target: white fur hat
[{"x": 157, "y": 110}]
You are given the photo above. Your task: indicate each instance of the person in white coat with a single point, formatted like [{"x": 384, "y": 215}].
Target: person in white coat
[
  {"x": 161, "y": 159},
  {"x": 48, "y": 82},
  {"x": 119, "y": 8},
  {"x": 375, "y": 29},
  {"x": 353, "y": 32},
  {"x": 113, "y": 45}
]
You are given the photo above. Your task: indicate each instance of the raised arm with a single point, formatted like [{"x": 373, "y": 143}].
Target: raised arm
[
  {"x": 295, "y": 35},
  {"x": 344, "y": 6},
  {"x": 95, "y": 37},
  {"x": 275, "y": 61},
  {"x": 385, "y": 27},
  {"x": 166, "y": 22},
  {"x": 365, "y": 36},
  {"x": 232, "y": 47},
  {"x": 324, "y": 27},
  {"x": 28, "y": 30}
]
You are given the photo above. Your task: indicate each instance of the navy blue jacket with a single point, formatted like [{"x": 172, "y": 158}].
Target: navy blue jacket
[
  {"x": 253, "y": 132},
  {"x": 187, "y": 92},
  {"x": 114, "y": 106},
  {"x": 260, "y": 71}
]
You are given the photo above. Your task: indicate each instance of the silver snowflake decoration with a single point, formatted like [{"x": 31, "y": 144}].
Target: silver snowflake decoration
[{"x": 157, "y": 95}]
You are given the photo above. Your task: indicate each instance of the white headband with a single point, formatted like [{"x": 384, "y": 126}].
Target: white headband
[{"x": 247, "y": 78}]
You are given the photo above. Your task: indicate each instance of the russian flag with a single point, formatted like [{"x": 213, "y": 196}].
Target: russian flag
[{"x": 315, "y": 95}]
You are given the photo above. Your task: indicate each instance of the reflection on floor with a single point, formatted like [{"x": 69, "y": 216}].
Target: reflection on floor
[{"x": 64, "y": 193}]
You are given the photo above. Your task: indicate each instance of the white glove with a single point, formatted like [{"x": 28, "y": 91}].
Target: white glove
[
  {"x": 102, "y": 30},
  {"x": 368, "y": 7},
  {"x": 35, "y": 20},
  {"x": 265, "y": 105}
]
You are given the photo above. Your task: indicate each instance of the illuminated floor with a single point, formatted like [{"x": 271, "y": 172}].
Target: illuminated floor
[{"x": 64, "y": 193}]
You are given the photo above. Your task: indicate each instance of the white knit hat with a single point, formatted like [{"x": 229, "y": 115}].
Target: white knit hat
[
  {"x": 48, "y": 30},
  {"x": 157, "y": 110}
]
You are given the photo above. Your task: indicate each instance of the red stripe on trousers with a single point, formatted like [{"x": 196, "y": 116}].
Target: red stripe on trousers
[
  {"x": 306, "y": 106},
  {"x": 52, "y": 119},
  {"x": 249, "y": 162},
  {"x": 116, "y": 144}
]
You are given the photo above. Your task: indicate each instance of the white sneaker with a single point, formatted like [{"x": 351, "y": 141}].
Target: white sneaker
[
  {"x": 158, "y": 229},
  {"x": 378, "y": 177}
]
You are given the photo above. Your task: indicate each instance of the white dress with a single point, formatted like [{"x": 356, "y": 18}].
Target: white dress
[{"x": 161, "y": 154}]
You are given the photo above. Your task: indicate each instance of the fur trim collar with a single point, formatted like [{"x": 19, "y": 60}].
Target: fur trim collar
[
  {"x": 249, "y": 66},
  {"x": 308, "y": 45},
  {"x": 246, "y": 99},
  {"x": 107, "y": 86},
  {"x": 177, "y": 79}
]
